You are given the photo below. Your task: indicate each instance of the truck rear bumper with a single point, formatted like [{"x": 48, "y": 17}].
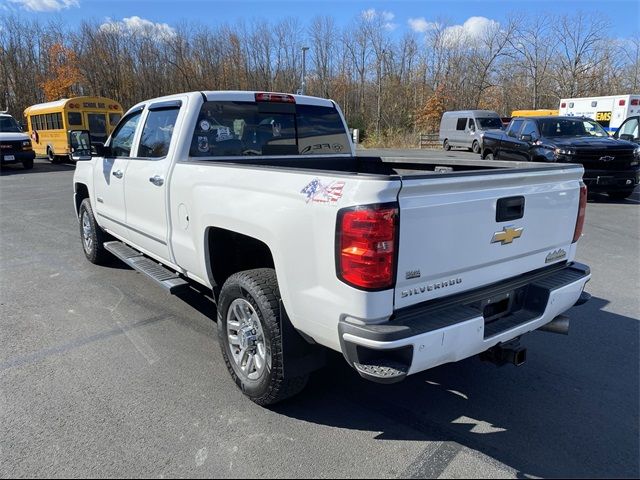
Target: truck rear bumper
[{"x": 451, "y": 329}]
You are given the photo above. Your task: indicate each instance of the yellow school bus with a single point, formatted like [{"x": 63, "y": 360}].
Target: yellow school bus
[
  {"x": 533, "y": 113},
  {"x": 49, "y": 123}
]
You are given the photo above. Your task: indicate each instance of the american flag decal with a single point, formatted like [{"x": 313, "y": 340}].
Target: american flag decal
[{"x": 316, "y": 192}]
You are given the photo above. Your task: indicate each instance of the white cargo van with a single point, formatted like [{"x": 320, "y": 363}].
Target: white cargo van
[
  {"x": 608, "y": 111},
  {"x": 464, "y": 128}
]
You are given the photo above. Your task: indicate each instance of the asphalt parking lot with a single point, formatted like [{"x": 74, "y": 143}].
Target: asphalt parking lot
[{"x": 104, "y": 374}]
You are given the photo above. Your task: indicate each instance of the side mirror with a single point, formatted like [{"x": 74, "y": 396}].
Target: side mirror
[
  {"x": 627, "y": 136},
  {"x": 80, "y": 145},
  {"x": 526, "y": 138}
]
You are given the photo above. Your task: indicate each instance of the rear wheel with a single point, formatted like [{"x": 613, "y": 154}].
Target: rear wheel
[
  {"x": 620, "y": 194},
  {"x": 250, "y": 337},
  {"x": 52, "y": 156},
  {"x": 475, "y": 148},
  {"x": 446, "y": 145}
]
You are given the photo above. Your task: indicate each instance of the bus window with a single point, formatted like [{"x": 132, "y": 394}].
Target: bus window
[
  {"x": 74, "y": 118},
  {"x": 97, "y": 127},
  {"x": 114, "y": 118}
]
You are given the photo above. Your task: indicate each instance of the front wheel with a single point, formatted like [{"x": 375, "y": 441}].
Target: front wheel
[
  {"x": 28, "y": 164},
  {"x": 446, "y": 145},
  {"x": 250, "y": 337},
  {"x": 92, "y": 235},
  {"x": 620, "y": 194},
  {"x": 489, "y": 156}
]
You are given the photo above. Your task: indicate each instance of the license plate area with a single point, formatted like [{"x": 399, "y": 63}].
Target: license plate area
[
  {"x": 9, "y": 157},
  {"x": 501, "y": 305},
  {"x": 606, "y": 180}
]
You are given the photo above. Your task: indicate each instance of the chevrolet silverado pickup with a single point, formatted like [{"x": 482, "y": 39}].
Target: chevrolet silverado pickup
[
  {"x": 15, "y": 146},
  {"x": 610, "y": 165},
  {"x": 399, "y": 265}
]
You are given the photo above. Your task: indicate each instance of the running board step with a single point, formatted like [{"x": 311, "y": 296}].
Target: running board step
[{"x": 136, "y": 260}]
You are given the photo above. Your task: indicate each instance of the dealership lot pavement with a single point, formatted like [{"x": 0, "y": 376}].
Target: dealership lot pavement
[{"x": 104, "y": 374}]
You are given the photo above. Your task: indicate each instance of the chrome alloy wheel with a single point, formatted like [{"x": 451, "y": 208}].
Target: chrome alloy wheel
[
  {"x": 87, "y": 239},
  {"x": 246, "y": 339}
]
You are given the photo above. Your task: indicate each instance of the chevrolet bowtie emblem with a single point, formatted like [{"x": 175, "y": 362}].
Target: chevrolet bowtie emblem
[{"x": 507, "y": 235}]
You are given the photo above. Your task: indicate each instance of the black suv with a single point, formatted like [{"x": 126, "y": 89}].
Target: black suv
[{"x": 610, "y": 164}]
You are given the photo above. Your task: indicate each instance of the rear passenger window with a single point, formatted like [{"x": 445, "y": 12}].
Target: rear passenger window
[
  {"x": 157, "y": 132},
  {"x": 462, "y": 124}
]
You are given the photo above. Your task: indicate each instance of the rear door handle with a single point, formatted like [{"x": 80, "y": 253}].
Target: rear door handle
[
  {"x": 118, "y": 174},
  {"x": 158, "y": 181}
]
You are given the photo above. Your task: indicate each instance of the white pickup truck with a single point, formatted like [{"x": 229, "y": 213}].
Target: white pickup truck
[{"x": 399, "y": 265}]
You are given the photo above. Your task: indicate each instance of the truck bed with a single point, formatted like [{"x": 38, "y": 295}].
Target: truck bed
[{"x": 393, "y": 168}]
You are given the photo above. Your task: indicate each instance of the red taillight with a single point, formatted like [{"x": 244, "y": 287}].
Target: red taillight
[
  {"x": 622, "y": 102},
  {"x": 635, "y": 102},
  {"x": 275, "y": 97},
  {"x": 582, "y": 209},
  {"x": 366, "y": 240},
  {"x": 563, "y": 105}
]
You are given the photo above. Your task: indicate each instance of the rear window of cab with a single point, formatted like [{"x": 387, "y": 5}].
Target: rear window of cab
[{"x": 227, "y": 128}]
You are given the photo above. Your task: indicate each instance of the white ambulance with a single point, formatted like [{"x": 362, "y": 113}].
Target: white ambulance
[{"x": 608, "y": 111}]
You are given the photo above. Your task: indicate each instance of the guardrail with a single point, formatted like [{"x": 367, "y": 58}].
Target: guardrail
[{"x": 429, "y": 140}]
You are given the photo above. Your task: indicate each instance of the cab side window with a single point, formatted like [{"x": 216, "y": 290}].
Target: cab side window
[
  {"x": 530, "y": 129},
  {"x": 630, "y": 127},
  {"x": 157, "y": 132},
  {"x": 462, "y": 123},
  {"x": 515, "y": 127},
  {"x": 122, "y": 138}
]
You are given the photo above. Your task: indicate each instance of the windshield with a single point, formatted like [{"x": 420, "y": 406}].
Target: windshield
[
  {"x": 8, "y": 124},
  {"x": 552, "y": 127},
  {"x": 229, "y": 128},
  {"x": 489, "y": 123}
]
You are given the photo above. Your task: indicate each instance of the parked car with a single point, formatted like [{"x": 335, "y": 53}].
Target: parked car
[
  {"x": 465, "y": 128},
  {"x": 15, "y": 146},
  {"x": 629, "y": 130},
  {"x": 400, "y": 266},
  {"x": 611, "y": 165}
]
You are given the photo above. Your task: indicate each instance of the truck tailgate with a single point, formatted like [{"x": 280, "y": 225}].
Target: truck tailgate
[{"x": 453, "y": 236}]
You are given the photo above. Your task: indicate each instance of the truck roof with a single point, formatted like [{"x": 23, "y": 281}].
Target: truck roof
[{"x": 235, "y": 96}]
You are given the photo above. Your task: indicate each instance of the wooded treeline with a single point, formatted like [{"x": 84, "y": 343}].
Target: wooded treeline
[{"x": 387, "y": 84}]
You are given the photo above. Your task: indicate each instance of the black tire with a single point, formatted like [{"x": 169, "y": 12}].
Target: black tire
[
  {"x": 489, "y": 156},
  {"x": 28, "y": 164},
  {"x": 620, "y": 194},
  {"x": 260, "y": 289},
  {"x": 475, "y": 147},
  {"x": 94, "y": 250},
  {"x": 446, "y": 145},
  {"x": 51, "y": 156}
]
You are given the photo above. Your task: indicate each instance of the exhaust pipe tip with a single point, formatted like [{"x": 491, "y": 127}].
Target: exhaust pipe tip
[{"x": 560, "y": 325}]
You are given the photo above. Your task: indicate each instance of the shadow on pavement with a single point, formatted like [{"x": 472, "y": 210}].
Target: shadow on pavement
[
  {"x": 566, "y": 413},
  {"x": 39, "y": 166}
]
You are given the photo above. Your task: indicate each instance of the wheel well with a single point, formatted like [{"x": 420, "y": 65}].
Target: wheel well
[
  {"x": 82, "y": 192},
  {"x": 230, "y": 252}
]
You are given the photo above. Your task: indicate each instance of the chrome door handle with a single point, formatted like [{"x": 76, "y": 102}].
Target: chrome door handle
[
  {"x": 118, "y": 174},
  {"x": 157, "y": 180}
]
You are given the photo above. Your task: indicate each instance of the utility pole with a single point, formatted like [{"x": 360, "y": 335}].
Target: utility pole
[{"x": 304, "y": 69}]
